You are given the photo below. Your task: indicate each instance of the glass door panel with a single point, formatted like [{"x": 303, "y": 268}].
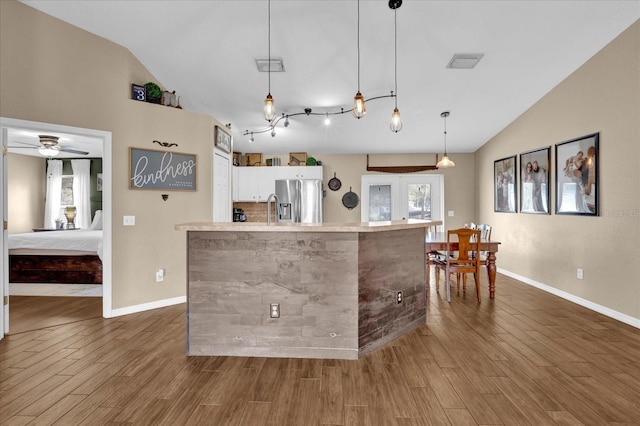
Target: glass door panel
[
  {"x": 419, "y": 201},
  {"x": 379, "y": 202}
]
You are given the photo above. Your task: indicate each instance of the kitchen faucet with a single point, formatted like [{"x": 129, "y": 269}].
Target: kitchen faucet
[{"x": 269, "y": 208}]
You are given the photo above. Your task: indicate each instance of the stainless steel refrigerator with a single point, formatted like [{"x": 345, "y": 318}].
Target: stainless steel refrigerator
[{"x": 299, "y": 200}]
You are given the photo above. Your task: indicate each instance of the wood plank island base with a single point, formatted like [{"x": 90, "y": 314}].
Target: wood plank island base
[{"x": 335, "y": 287}]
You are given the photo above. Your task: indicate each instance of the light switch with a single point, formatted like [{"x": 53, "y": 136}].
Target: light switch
[
  {"x": 128, "y": 220},
  {"x": 451, "y": 213}
]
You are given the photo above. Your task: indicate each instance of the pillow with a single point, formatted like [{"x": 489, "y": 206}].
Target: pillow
[{"x": 97, "y": 221}]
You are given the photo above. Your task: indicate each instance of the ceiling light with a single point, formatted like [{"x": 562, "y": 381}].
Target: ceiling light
[
  {"x": 49, "y": 152},
  {"x": 359, "y": 109},
  {"x": 464, "y": 61},
  {"x": 445, "y": 162},
  {"x": 396, "y": 121},
  {"x": 269, "y": 110},
  {"x": 327, "y": 120},
  {"x": 273, "y": 132},
  {"x": 286, "y": 121}
]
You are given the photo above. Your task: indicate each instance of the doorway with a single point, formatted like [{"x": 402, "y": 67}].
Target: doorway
[
  {"x": 399, "y": 197},
  {"x": 7, "y": 127}
]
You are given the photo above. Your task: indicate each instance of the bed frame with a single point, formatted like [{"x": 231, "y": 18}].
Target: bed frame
[{"x": 55, "y": 269}]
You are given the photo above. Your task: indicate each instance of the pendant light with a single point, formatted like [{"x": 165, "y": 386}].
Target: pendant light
[
  {"x": 359, "y": 109},
  {"x": 445, "y": 162},
  {"x": 269, "y": 110},
  {"x": 396, "y": 121}
]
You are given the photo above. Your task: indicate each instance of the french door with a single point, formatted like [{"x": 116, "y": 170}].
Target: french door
[{"x": 396, "y": 197}]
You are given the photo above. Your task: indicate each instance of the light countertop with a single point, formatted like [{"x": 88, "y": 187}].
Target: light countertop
[{"x": 306, "y": 227}]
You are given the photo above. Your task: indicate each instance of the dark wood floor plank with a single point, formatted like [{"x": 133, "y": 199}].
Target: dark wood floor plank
[{"x": 526, "y": 357}]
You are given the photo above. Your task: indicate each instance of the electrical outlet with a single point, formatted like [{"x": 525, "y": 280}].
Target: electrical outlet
[
  {"x": 128, "y": 221},
  {"x": 399, "y": 297},
  {"x": 580, "y": 274},
  {"x": 275, "y": 310}
]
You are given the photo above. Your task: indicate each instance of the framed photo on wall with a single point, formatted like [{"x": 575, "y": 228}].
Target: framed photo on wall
[
  {"x": 577, "y": 176},
  {"x": 505, "y": 185},
  {"x": 535, "y": 194},
  {"x": 222, "y": 139}
]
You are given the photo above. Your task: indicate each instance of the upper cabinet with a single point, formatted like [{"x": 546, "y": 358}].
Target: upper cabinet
[{"x": 257, "y": 183}]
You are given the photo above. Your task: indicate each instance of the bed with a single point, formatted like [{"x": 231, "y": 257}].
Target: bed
[{"x": 57, "y": 257}]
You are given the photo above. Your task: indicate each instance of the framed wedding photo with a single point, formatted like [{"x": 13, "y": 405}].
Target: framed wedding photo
[
  {"x": 535, "y": 193},
  {"x": 505, "y": 185},
  {"x": 577, "y": 176}
]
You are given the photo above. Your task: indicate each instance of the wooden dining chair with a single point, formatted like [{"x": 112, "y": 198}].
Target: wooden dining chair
[{"x": 465, "y": 259}]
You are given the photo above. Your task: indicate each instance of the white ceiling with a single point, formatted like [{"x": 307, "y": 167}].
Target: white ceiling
[{"x": 206, "y": 52}]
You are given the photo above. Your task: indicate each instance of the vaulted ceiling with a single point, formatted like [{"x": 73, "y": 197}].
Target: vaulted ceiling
[{"x": 206, "y": 52}]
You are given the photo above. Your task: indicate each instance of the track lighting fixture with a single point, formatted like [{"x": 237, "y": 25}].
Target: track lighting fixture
[{"x": 445, "y": 162}]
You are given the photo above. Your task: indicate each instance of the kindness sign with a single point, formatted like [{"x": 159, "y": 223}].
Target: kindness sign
[{"x": 165, "y": 170}]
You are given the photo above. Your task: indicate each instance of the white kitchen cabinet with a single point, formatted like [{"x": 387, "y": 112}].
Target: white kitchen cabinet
[{"x": 256, "y": 183}]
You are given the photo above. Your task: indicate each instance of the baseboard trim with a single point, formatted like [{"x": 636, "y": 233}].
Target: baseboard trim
[
  {"x": 147, "y": 306},
  {"x": 627, "y": 319}
]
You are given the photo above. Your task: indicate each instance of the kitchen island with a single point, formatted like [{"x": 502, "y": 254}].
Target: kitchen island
[{"x": 303, "y": 290}]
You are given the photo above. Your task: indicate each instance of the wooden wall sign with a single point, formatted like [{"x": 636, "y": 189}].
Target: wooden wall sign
[{"x": 149, "y": 169}]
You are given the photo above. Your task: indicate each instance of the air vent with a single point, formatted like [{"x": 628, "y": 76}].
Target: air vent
[
  {"x": 464, "y": 61},
  {"x": 276, "y": 65}
]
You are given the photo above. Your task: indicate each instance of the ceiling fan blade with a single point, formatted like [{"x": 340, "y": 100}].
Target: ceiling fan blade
[
  {"x": 73, "y": 151},
  {"x": 22, "y": 147},
  {"x": 25, "y": 143}
]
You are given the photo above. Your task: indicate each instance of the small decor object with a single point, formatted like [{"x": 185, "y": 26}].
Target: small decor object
[
  {"x": 154, "y": 92},
  {"x": 59, "y": 224},
  {"x": 577, "y": 176},
  {"x": 253, "y": 159},
  {"x": 222, "y": 139},
  {"x": 150, "y": 169},
  {"x": 505, "y": 185},
  {"x": 165, "y": 197},
  {"x": 298, "y": 159},
  {"x": 166, "y": 144},
  {"x": 311, "y": 161},
  {"x": 334, "y": 183},
  {"x": 350, "y": 199},
  {"x": 138, "y": 93},
  {"x": 535, "y": 191}
]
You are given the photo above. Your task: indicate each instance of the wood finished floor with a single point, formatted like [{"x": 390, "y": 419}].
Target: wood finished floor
[{"x": 525, "y": 358}]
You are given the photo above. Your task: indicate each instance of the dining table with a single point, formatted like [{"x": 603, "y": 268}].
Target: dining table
[{"x": 437, "y": 242}]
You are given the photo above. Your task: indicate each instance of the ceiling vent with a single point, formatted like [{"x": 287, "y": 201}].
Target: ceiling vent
[
  {"x": 464, "y": 61},
  {"x": 276, "y": 65}
]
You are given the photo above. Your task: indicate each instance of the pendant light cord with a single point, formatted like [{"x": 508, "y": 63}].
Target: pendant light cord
[
  {"x": 269, "y": 41},
  {"x": 445, "y": 135},
  {"x": 358, "y": 45},
  {"x": 395, "y": 59}
]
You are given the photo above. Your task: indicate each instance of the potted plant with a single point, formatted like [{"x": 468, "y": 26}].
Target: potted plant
[{"x": 154, "y": 92}]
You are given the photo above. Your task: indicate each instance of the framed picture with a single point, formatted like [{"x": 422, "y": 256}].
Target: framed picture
[
  {"x": 222, "y": 139},
  {"x": 577, "y": 176},
  {"x": 505, "y": 185},
  {"x": 535, "y": 194}
]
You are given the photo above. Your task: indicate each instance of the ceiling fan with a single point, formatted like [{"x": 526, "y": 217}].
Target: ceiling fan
[{"x": 49, "y": 146}]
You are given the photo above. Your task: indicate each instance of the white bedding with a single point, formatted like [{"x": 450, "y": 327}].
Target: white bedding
[{"x": 82, "y": 240}]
